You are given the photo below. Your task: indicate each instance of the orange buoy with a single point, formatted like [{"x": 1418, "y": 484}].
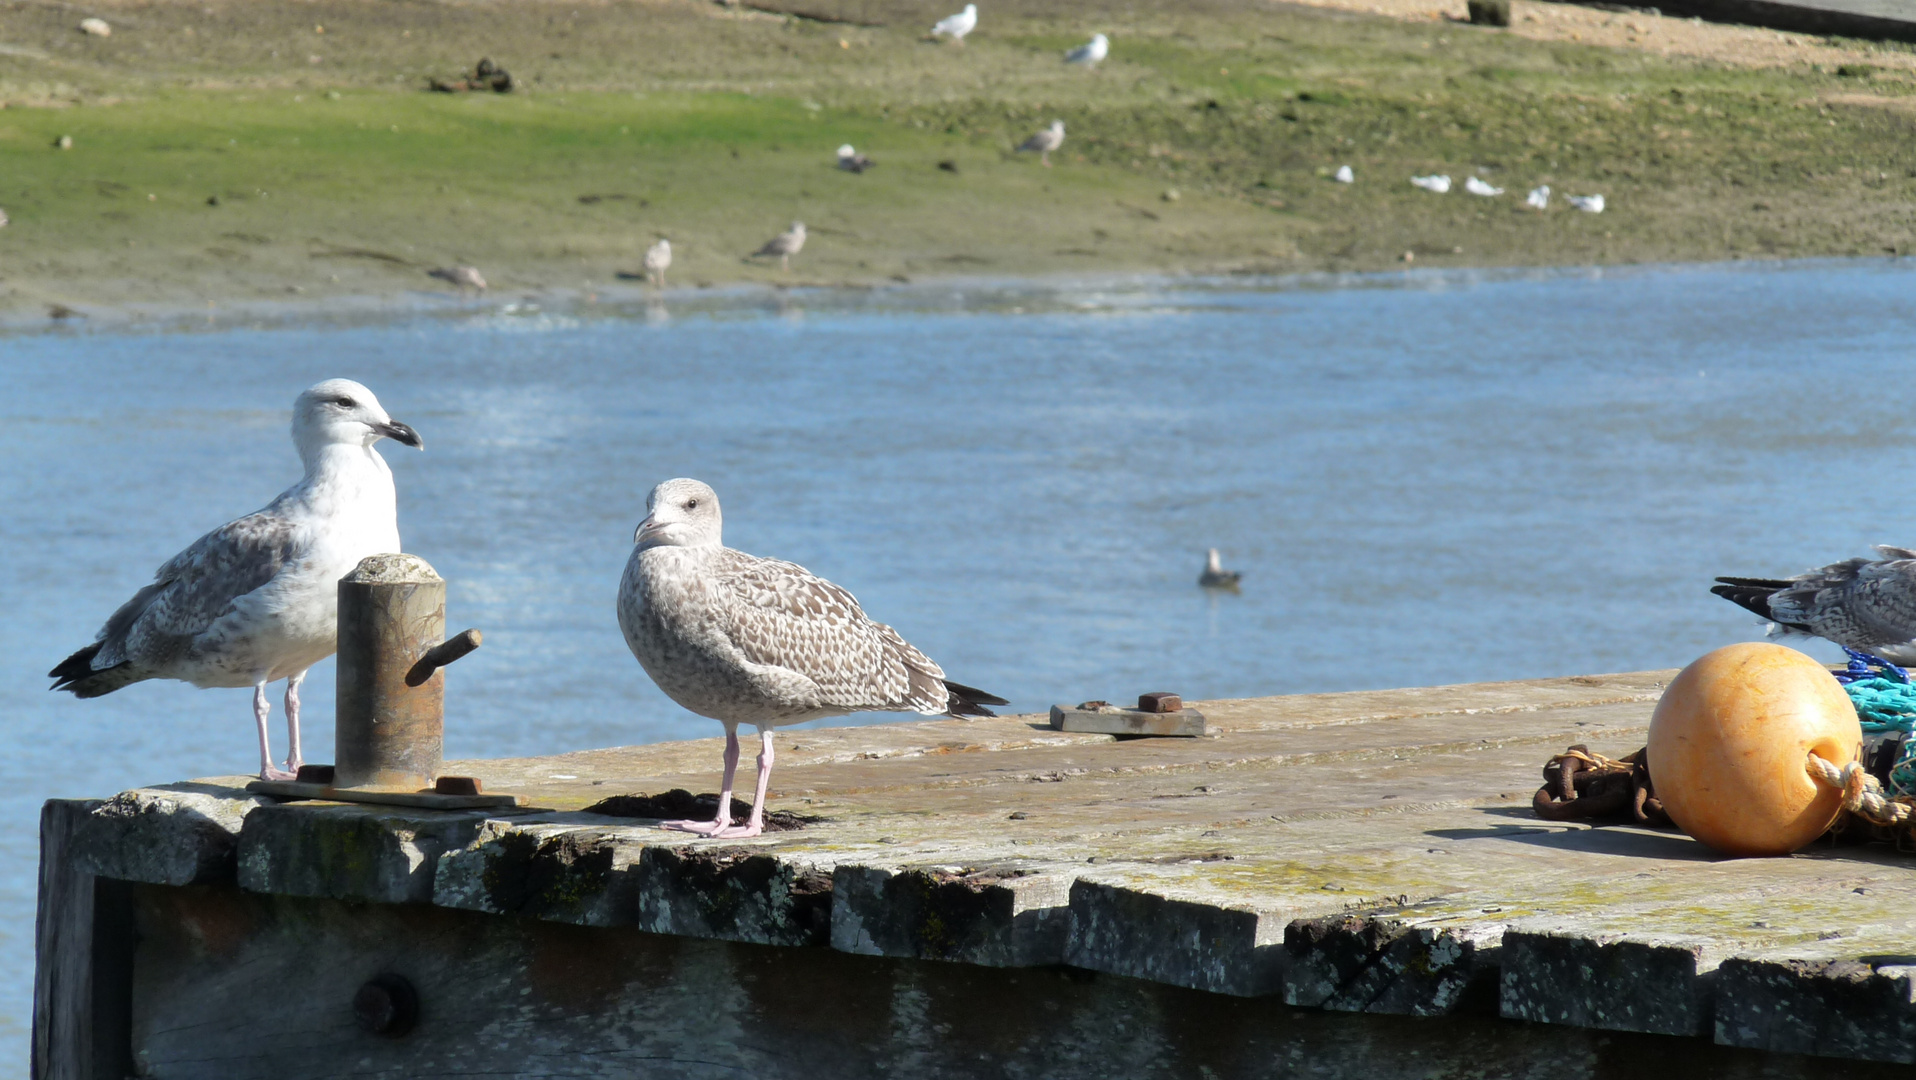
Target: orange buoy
[{"x": 1728, "y": 744}]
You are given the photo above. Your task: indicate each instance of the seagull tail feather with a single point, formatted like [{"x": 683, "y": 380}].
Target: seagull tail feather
[
  {"x": 969, "y": 700},
  {"x": 77, "y": 675},
  {"x": 1753, "y": 595}
]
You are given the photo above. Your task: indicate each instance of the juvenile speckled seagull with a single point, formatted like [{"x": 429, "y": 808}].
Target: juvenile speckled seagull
[
  {"x": 257, "y": 599},
  {"x": 1864, "y": 604},
  {"x": 746, "y": 640},
  {"x": 1044, "y": 142}
]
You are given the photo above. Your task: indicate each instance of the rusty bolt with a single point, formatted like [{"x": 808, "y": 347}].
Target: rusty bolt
[
  {"x": 1160, "y": 703},
  {"x": 456, "y": 785},
  {"x": 387, "y": 1005},
  {"x": 459, "y": 645}
]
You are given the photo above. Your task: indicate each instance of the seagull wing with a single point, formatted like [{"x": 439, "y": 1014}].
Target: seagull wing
[
  {"x": 790, "y": 618},
  {"x": 1865, "y": 604},
  {"x": 195, "y": 589}
]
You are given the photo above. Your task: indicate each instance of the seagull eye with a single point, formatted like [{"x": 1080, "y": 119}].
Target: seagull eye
[
  {"x": 343, "y": 402},
  {"x": 691, "y": 504}
]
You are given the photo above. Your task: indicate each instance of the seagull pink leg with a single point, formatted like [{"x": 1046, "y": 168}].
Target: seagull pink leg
[
  {"x": 262, "y": 710},
  {"x": 756, "y": 823},
  {"x": 293, "y": 758},
  {"x": 724, "y": 819}
]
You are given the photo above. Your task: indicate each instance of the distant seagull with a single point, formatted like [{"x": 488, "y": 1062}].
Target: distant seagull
[
  {"x": 1864, "y": 604},
  {"x": 785, "y": 245},
  {"x": 466, "y": 277},
  {"x": 1589, "y": 204},
  {"x": 957, "y": 26},
  {"x": 746, "y": 640},
  {"x": 1435, "y": 182},
  {"x": 96, "y": 28},
  {"x": 1539, "y": 197},
  {"x": 4, "y": 219},
  {"x": 658, "y": 258},
  {"x": 852, "y": 161},
  {"x": 1044, "y": 142},
  {"x": 1478, "y": 187},
  {"x": 1344, "y": 175},
  {"x": 61, "y": 311},
  {"x": 1090, "y": 52},
  {"x": 257, "y": 599},
  {"x": 1215, "y": 576}
]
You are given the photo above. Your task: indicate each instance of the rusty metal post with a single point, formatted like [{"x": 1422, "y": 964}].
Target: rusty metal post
[{"x": 392, "y": 612}]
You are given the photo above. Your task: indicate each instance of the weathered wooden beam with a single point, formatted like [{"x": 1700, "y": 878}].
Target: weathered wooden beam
[
  {"x": 1005, "y": 915},
  {"x": 83, "y": 947},
  {"x": 381, "y": 855}
]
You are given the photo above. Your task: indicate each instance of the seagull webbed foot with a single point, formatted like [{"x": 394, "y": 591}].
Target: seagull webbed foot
[
  {"x": 272, "y": 773},
  {"x": 701, "y": 828}
]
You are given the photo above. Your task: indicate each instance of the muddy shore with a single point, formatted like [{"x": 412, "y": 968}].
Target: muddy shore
[{"x": 249, "y": 150}]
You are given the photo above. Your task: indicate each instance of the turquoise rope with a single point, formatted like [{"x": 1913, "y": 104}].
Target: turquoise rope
[{"x": 1886, "y": 701}]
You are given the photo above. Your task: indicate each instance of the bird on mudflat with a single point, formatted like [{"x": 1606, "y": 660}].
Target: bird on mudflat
[
  {"x": 658, "y": 258},
  {"x": 747, "y": 640},
  {"x": 852, "y": 161},
  {"x": 1215, "y": 576},
  {"x": 257, "y": 599},
  {"x": 1090, "y": 52},
  {"x": 785, "y": 245},
  {"x": 466, "y": 277},
  {"x": 957, "y": 26},
  {"x": 1044, "y": 142},
  {"x": 1864, "y": 604}
]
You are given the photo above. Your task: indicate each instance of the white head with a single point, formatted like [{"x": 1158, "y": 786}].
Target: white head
[
  {"x": 1100, "y": 39},
  {"x": 680, "y": 513},
  {"x": 846, "y": 151},
  {"x": 1057, "y": 127},
  {"x": 341, "y": 411},
  {"x": 663, "y": 246},
  {"x": 1212, "y": 563},
  {"x": 798, "y": 228},
  {"x": 971, "y": 11}
]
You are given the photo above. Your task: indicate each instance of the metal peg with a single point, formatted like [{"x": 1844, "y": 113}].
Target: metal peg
[{"x": 453, "y": 648}]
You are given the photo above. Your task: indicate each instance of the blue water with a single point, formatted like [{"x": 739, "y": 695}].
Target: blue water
[{"x": 1425, "y": 479}]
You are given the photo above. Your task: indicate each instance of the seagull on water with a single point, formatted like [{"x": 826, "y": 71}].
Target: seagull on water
[
  {"x": 1864, "y": 604},
  {"x": 1044, "y": 142},
  {"x": 746, "y": 640},
  {"x": 1215, "y": 576},
  {"x": 852, "y": 161},
  {"x": 658, "y": 258},
  {"x": 257, "y": 599},
  {"x": 957, "y": 26},
  {"x": 1090, "y": 52},
  {"x": 785, "y": 245}
]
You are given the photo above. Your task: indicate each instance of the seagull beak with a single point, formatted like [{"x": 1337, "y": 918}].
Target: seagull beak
[
  {"x": 400, "y": 433},
  {"x": 647, "y": 526}
]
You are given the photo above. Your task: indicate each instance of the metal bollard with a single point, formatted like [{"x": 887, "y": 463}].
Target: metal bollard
[{"x": 390, "y": 733}]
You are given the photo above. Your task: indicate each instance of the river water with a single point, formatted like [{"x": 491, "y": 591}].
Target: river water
[{"x": 1424, "y": 478}]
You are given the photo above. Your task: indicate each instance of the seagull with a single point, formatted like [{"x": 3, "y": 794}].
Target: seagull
[
  {"x": 1344, "y": 175},
  {"x": 1539, "y": 197},
  {"x": 852, "y": 161},
  {"x": 658, "y": 258},
  {"x": 1215, "y": 576},
  {"x": 746, "y": 640},
  {"x": 1589, "y": 204},
  {"x": 957, "y": 26},
  {"x": 1090, "y": 52},
  {"x": 1864, "y": 604},
  {"x": 1044, "y": 142},
  {"x": 1437, "y": 183},
  {"x": 466, "y": 277},
  {"x": 785, "y": 245},
  {"x": 257, "y": 599},
  {"x": 1478, "y": 187}
]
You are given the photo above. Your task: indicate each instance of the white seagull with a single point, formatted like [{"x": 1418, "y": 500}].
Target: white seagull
[
  {"x": 1864, "y": 604},
  {"x": 957, "y": 26},
  {"x": 852, "y": 161},
  {"x": 658, "y": 258},
  {"x": 1090, "y": 52},
  {"x": 1215, "y": 576},
  {"x": 257, "y": 599},
  {"x": 1589, "y": 204},
  {"x": 1479, "y": 187},
  {"x": 1539, "y": 197},
  {"x": 1344, "y": 175},
  {"x": 785, "y": 245},
  {"x": 1044, "y": 142},
  {"x": 1435, "y": 182},
  {"x": 746, "y": 640}
]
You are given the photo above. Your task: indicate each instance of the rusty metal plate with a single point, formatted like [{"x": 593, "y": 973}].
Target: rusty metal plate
[
  {"x": 1111, "y": 720},
  {"x": 427, "y": 800}
]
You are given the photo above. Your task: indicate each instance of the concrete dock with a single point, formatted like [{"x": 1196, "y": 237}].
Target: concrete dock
[{"x": 1342, "y": 885}]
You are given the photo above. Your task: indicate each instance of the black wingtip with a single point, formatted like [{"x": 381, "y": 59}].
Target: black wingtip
[
  {"x": 969, "y": 700},
  {"x": 68, "y": 673}
]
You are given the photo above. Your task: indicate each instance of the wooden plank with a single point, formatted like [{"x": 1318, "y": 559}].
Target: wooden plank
[
  {"x": 83, "y": 959},
  {"x": 1183, "y": 723}
]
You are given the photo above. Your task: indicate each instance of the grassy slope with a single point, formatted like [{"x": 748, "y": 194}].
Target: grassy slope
[{"x": 715, "y": 127}]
